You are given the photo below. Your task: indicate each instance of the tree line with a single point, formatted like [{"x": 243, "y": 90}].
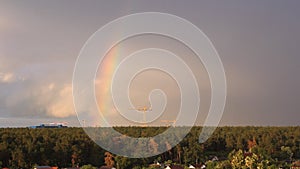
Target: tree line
[{"x": 66, "y": 147}]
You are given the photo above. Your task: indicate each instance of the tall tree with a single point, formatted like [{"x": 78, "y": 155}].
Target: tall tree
[{"x": 109, "y": 161}]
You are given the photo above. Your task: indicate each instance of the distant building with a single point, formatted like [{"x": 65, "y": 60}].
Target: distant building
[{"x": 49, "y": 125}]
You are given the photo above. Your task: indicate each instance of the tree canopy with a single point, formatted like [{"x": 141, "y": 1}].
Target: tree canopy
[{"x": 66, "y": 147}]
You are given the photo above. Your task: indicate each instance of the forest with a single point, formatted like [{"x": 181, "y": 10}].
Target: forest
[{"x": 228, "y": 147}]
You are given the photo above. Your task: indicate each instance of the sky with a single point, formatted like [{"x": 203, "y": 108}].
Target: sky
[{"x": 257, "y": 41}]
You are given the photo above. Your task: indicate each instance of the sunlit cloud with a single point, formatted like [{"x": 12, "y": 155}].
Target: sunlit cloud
[
  {"x": 10, "y": 77},
  {"x": 62, "y": 105},
  {"x": 6, "y": 77},
  {"x": 38, "y": 100}
]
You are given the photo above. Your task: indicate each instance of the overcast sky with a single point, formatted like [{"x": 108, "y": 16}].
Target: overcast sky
[{"x": 257, "y": 41}]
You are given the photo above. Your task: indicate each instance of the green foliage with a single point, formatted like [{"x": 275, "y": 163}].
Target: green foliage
[
  {"x": 89, "y": 166},
  {"x": 22, "y": 147},
  {"x": 249, "y": 160},
  {"x": 211, "y": 164},
  {"x": 287, "y": 152},
  {"x": 223, "y": 165},
  {"x": 168, "y": 162},
  {"x": 274, "y": 146},
  {"x": 137, "y": 167}
]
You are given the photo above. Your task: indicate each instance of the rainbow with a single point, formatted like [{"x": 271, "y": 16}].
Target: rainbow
[{"x": 103, "y": 81}]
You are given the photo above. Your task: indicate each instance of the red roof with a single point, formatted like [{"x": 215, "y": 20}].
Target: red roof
[{"x": 295, "y": 165}]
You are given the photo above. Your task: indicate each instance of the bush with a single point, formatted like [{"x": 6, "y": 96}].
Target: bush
[{"x": 89, "y": 166}]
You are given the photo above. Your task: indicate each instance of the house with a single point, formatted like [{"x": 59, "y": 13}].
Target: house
[
  {"x": 45, "y": 167},
  {"x": 215, "y": 158},
  {"x": 174, "y": 167},
  {"x": 197, "y": 166},
  {"x": 192, "y": 167},
  {"x": 157, "y": 165}
]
